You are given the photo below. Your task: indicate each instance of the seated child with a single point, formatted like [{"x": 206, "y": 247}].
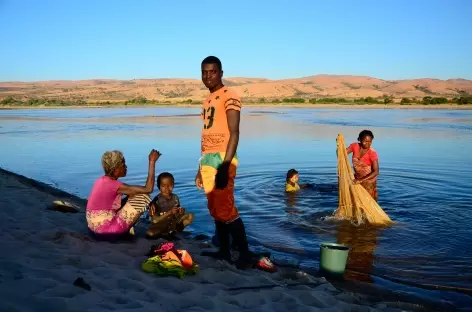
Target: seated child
[
  {"x": 291, "y": 182},
  {"x": 166, "y": 214}
]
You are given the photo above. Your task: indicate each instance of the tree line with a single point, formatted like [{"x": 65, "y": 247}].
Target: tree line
[
  {"x": 464, "y": 99},
  {"x": 12, "y": 101},
  {"x": 427, "y": 100}
]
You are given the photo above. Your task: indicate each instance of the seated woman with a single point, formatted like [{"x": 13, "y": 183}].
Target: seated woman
[
  {"x": 108, "y": 216},
  {"x": 365, "y": 162}
]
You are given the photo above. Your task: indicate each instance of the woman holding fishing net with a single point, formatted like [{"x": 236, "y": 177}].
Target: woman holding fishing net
[
  {"x": 365, "y": 162},
  {"x": 358, "y": 191}
]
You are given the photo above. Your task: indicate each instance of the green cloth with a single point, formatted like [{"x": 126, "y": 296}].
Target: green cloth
[
  {"x": 213, "y": 160},
  {"x": 167, "y": 267}
]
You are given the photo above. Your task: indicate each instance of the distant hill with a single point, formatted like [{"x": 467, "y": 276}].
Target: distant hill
[{"x": 251, "y": 89}]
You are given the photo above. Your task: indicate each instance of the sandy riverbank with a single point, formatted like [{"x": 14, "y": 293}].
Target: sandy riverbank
[
  {"x": 44, "y": 251},
  {"x": 263, "y": 105}
]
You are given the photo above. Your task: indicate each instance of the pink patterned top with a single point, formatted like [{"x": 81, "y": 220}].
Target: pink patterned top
[{"x": 104, "y": 195}]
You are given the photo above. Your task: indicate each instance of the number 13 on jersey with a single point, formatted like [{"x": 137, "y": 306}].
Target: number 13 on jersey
[{"x": 208, "y": 117}]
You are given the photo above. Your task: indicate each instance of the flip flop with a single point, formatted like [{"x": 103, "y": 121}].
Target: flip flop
[
  {"x": 63, "y": 206},
  {"x": 265, "y": 264}
]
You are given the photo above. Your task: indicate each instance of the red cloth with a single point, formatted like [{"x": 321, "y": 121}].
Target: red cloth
[{"x": 368, "y": 157}]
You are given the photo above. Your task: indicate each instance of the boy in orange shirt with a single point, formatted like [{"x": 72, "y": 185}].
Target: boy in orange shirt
[{"x": 218, "y": 163}]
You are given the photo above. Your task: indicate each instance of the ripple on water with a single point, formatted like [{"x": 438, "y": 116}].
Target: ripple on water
[{"x": 419, "y": 200}]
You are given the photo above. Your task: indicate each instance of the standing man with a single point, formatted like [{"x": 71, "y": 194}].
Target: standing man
[{"x": 217, "y": 170}]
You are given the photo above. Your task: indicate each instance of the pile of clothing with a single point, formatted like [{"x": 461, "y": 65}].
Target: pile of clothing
[{"x": 166, "y": 260}]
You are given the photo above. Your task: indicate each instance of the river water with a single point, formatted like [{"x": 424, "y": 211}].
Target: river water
[{"x": 425, "y": 181}]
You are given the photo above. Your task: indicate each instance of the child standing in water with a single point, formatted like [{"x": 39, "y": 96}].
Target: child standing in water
[
  {"x": 166, "y": 213},
  {"x": 291, "y": 182}
]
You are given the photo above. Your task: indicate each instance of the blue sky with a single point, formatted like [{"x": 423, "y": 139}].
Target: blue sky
[{"x": 85, "y": 39}]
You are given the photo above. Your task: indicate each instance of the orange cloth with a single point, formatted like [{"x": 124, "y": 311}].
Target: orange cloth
[
  {"x": 215, "y": 132},
  {"x": 185, "y": 258},
  {"x": 220, "y": 202}
]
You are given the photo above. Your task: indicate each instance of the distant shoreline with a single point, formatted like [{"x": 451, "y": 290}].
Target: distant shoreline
[{"x": 267, "y": 105}]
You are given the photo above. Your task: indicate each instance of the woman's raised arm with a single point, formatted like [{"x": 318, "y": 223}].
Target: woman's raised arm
[{"x": 131, "y": 190}]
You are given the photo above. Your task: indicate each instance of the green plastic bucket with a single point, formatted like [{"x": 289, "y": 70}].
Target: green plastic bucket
[{"x": 333, "y": 259}]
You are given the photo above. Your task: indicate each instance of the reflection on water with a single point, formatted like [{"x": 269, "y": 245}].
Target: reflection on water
[
  {"x": 291, "y": 202},
  {"x": 362, "y": 242},
  {"x": 425, "y": 182}
]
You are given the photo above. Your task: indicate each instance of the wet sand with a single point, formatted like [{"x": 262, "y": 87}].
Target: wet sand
[{"x": 449, "y": 120}]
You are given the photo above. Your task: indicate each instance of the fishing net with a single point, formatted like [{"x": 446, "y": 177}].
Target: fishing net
[{"x": 355, "y": 203}]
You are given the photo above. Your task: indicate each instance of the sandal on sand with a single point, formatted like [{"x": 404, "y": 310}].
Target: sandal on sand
[
  {"x": 63, "y": 206},
  {"x": 265, "y": 264}
]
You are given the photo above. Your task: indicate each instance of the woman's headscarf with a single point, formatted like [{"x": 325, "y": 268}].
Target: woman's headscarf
[{"x": 112, "y": 160}]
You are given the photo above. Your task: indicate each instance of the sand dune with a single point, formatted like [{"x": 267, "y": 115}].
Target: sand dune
[{"x": 254, "y": 89}]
